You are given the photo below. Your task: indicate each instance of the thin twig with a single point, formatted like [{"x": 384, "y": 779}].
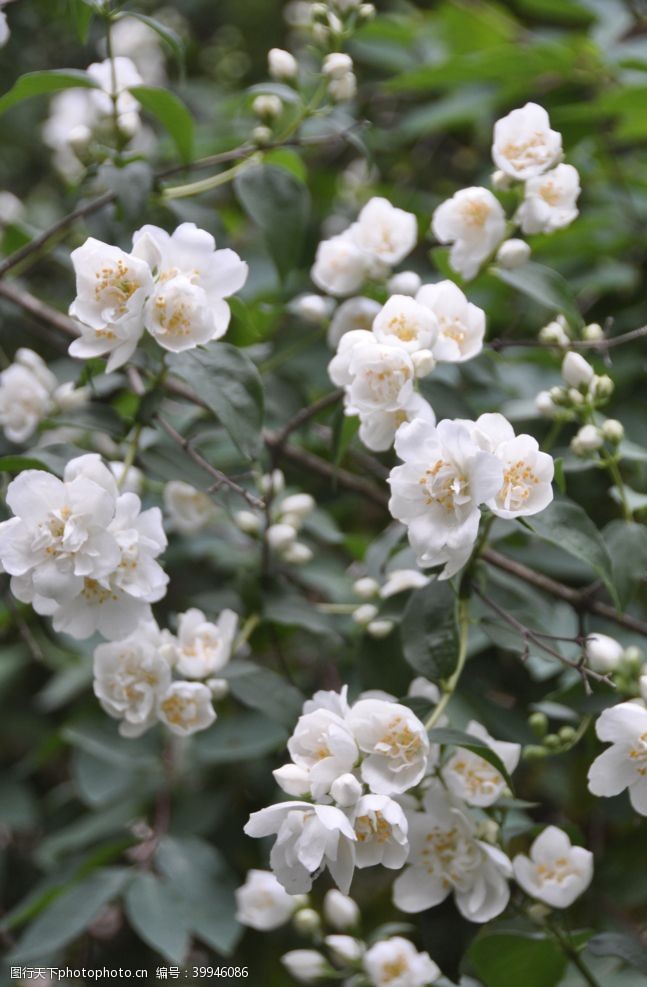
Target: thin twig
[
  {"x": 305, "y": 414},
  {"x": 604, "y": 344},
  {"x": 41, "y": 311},
  {"x": 222, "y": 480}
]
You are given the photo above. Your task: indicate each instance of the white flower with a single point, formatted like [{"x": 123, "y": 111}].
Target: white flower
[
  {"x": 527, "y": 472},
  {"x": 555, "y": 872},
  {"x": 281, "y": 64},
  {"x": 115, "y": 77},
  {"x": 189, "y": 510},
  {"x": 309, "y": 837},
  {"x": 396, "y": 962},
  {"x": 378, "y": 428},
  {"x": 341, "y": 266},
  {"x": 446, "y": 856},
  {"x": 473, "y": 221},
  {"x": 305, "y": 965},
  {"x": 381, "y": 829},
  {"x": 603, "y": 653},
  {"x": 323, "y": 744},
  {"x": 345, "y": 949},
  {"x": 337, "y": 64},
  {"x": 5, "y": 33},
  {"x": 436, "y": 492},
  {"x": 203, "y": 647},
  {"x": 111, "y": 290},
  {"x": 261, "y": 902},
  {"x": 624, "y": 764},
  {"x": 576, "y": 371},
  {"x": 381, "y": 377},
  {"x": 186, "y": 708},
  {"x": 400, "y": 580},
  {"x": 26, "y": 395},
  {"x": 461, "y": 324},
  {"x": 129, "y": 677},
  {"x": 132, "y": 482},
  {"x": 473, "y": 779},
  {"x": 340, "y": 911},
  {"x": 406, "y": 323},
  {"x": 550, "y": 200},
  {"x": 524, "y": 144},
  {"x": 193, "y": 279},
  {"x": 394, "y": 743},
  {"x": 513, "y": 253},
  {"x": 354, "y": 313},
  {"x": 404, "y": 283},
  {"x": 586, "y": 440},
  {"x": 385, "y": 232}
]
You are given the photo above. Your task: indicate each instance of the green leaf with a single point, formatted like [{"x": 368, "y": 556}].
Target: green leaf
[
  {"x": 628, "y": 948},
  {"x": 288, "y": 610},
  {"x": 243, "y": 737},
  {"x": 511, "y": 959},
  {"x": 158, "y": 916},
  {"x": 543, "y": 285},
  {"x": 229, "y": 383},
  {"x": 429, "y": 633},
  {"x": 171, "y": 113},
  {"x": 70, "y": 914},
  {"x": 279, "y": 204},
  {"x": 568, "y": 526},
  {"x": 43, "y": 83},
  {"x": 626, "y": 543},
  {"x": 262, "y": 689},
  {"x": 443, "y": 735},
  {"x": 170, "y": 37},
  {"x": 16, "y": 464},
  {"x": 81, "y": 14}
]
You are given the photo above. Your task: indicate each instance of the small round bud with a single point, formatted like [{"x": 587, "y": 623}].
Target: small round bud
[
  {"x": 555, "y": 334},
  {"x": 538, "y": 913},
  {"x": 219, "y": 688},
  {"x": 567, "y": 734},
  {"x": 576, "y": 371},
  {"x": 267, "y": 106},
  {"x": 533, "y": 752},
  {"x": 345, "y": 949},
  {"x": 367, "y": 11},
  {"x": 293, "y": 779},
  {"x": 343, "y": 89},
  {"x": 593, "y": 332},
  {"x": 423, "y": 362},
  {"x": 602, "y": 386},
  {"x": 262, "y": 136},
  {"x": 552, "y": 741},
  {"x": 544, "y": 405},
  {"x": 313, "y": 309},
  {"x": 587, "y": 440},
  {"x": 365, "y": 614},
  {"x": 613, "y": 430},
  {"x": 298, "y": 554},
  {"x": 282, "y": 64},
  {"x": 366, "y": 587},
  {"x": 633, "y": 657},
  {"x": 379, "y": 628},
  {"x": 558, "y": 395},
  {"x": 280, "y": 536},
  {"x": 500, "y": 181},
  {"x": 272, "y": 483},
  {"x": 337, "y": 65},
  {"x": 248, "y": 522},
  {"x": 300, "y": 504},
  {"x": 603, "y": 653},
  {"x": 345, "y": 790},
  {"x": 575, "y": 397},
  {"x": 404, "y": 283},
  {"x": 339, "y": 910},
  {"x": 513, "y": 253},
  {"x": 538, "y": 723},
  {"x": 305, "y": 965},
  {"x": 306, "y": 921},
  {"x": 487, "y": 830}
]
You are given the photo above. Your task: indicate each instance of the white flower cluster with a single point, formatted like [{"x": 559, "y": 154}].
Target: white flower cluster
[
  {"x": 525, "y": 149},
  {"x": 450, "y": 470},
  {"x": 82, "y": 552},
  {"x": 173, "y": 286},
  {"x": 378, "y": 368},
  {"x": 30, "y": 392},
  {"x": 287, "y": 514},
  {"x": 133, "y": 677},
  {"x": 381, "y": 237}
]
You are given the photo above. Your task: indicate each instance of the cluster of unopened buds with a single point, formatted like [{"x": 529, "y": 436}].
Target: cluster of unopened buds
[
  {"x": 367, "y": 614},
  {"x": 581, "y": 395},
  {"x": 286, "y": 515}
]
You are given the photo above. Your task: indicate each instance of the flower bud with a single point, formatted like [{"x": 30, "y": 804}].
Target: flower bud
[
  {"x": 282, "y": 64},
  {"x": 404, "y": 283},
  {"x": 300, "y": 504},
  {"x": 588, "y": 439},
  {"x": 555, "y": 334},
  {"x": 533, "y": 752},
  {"x": 593, "y": 332},
  {"x": 305, "y": 965},
  {"x": 337, "y": 65},
  {"x": 576, "y": 371},
  {"x": 544, "y": 405},
  {"x": 262, "y": 136},
  {"x": 500, "y": 181},
  {"x": 248, "y": 522},
  {"x": 280, "y": 536},
  {"x": 552, "y": 741},
  {"x": 603, "y": 653},
  {"x": 365, "y": 614},
  {"x": 292, "y": 779},
  {"x": 633, "y": 658},
  {"x": 306, "y": 921},
  {"x": 602, "y": 386},
  {"x": 78, "y": 138},
  {"x": 311, "y": 308},
  {"x": 272, "y": 483},
  {"x": 379, "y": 628},
  {"x": 575, "y": 397},
  {"x": 298, "y": 554},
  {"x": 366, "y": 587},
  {"x": 613, "y": 430},
  {"x": 567, "y": 734},
  {"x": 219, "y": 688},
  {"x": 487, "y": 830},
  {"x": 344, "y": 88},
  {"x": 538, "y": 913},
  {"x": 367, "y": 11},
  {"x": 423, "y": 362},
  {"x": 558, "y": 395},
  {"x": 513, "y": 253},
  {"x": 538, "y": 723},
  {"x": 267, "y": 106},
  {"x": 345, "y": 949},
  {"x": 339, "y": 910}
]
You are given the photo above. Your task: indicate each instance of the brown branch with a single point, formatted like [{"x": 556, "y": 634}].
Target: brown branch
[
  {"x": 603, "y": 345},
  {"x": 222, "y": 480},
  {"x": 42, "y": 312},
  {"x": 305, "y": 414}
]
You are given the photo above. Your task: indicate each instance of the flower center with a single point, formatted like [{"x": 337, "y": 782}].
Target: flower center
[
  {"x": 394, "y": 968},
  {"x": 550, "y": 193},
  {"x": 478, "y": 775},
  {"x": 475, "y": 212},
  {"x": 638, "y": 755},
  {"x": 532, "y": 151},
  {"x": 453, "y": 328},
  {"x": 400, "y": 741},
  {"x": 372, "y": 827},
  {"x": 403, "y": 328},
  {"x": 444, "y": 486},
  {"x": 115, "y": 286},
  {"x": 518, "y": 479},
  {"x": 95, "y": 593},
  {"x": 560, "y": 870}
]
